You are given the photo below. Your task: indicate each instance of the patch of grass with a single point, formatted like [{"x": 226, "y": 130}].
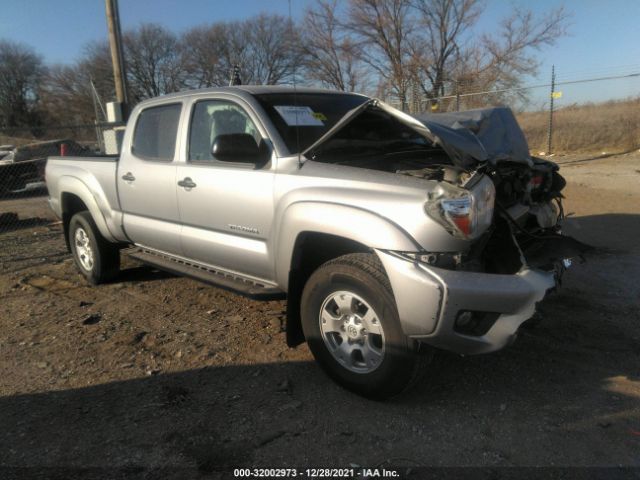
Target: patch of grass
[{"x": 612, "y": 126}]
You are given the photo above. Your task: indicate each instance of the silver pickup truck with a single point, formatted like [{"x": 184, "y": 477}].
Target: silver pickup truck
[{"x": 388, "y": 234}]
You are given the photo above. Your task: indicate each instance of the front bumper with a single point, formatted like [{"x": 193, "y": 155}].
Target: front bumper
[{"x": 429, "y": 300}]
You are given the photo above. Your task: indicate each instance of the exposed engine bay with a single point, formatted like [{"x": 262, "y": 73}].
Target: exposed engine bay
[{"x": 457, "y": 149}]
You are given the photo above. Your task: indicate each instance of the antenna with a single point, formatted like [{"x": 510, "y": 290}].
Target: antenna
[
  {"x": 97, "y": 101},
  {"x": 295, "y": 91}
]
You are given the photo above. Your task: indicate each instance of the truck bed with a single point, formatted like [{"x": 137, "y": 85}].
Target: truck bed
[{"x": 94, "y": 177}]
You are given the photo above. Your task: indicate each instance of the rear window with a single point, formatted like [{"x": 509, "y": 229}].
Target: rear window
[
  {"x": 155, "y": 135},
  {"x": 303, "y": 118}
]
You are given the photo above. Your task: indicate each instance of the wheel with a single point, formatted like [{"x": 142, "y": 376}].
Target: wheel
[
  {"x": 96, "y": 258},
  {"x": 351, "y": 324}
]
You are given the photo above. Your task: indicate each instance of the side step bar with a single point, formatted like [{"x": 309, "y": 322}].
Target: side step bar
[{"x": 225, "y": 280}]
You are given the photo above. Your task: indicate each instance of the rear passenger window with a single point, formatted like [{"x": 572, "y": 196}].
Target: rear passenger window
[{"x": 156, "y": 130}]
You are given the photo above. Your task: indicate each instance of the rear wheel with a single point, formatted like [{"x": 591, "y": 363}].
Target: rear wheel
[
  {"x": 96, "y": 258},
  {"x": 351, "y": 324}
]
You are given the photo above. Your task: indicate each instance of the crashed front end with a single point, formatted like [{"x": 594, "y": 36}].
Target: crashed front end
[
  {"x": 517, "y": 254},
  {"x": 505, "y": 205},
  {"x": 475, "y": 301}
]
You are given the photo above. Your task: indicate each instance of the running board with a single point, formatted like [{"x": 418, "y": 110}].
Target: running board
[{"x": 225, "y": 280}]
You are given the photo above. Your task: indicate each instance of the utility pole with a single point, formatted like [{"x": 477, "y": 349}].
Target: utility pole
[
  {"x": 551, "y": 97},
  {"x": 117, "y": 58}
]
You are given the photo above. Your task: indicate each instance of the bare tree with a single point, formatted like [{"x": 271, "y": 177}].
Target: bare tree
[
  {"x": 330, "y": 56},
  {"x": 449, "y": 53},
  {"x": 67, "y": 95},
  {"x": 510, "y": 52},
  {"x": 419, "y": 48},
  {"x": 201, "y": 48},
  {"x": 210, "y": 52},
  {"x": 21, "y": 70},
  {"x": 444, "y": 25},
  {"x": 265, "y": 47},
  {"x": 153, "y": 61},
  {"x": 384, "y": 30},
  {"x": 273, "y": 52}
]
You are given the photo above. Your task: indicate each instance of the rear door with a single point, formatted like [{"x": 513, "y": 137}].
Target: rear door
[
  {"x": 147, "y": 179},
  {"x": 226, "y": 208}
]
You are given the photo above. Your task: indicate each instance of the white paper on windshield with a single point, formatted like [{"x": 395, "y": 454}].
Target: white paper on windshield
[{"x": 297, "y": 115}]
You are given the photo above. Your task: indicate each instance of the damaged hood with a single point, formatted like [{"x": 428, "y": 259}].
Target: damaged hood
[
  {"x": 487, "y": 134},
  {"x": 483, "y": 135}
]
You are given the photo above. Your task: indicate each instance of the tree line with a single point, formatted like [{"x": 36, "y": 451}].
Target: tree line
[{"x": 404, "y": 49}]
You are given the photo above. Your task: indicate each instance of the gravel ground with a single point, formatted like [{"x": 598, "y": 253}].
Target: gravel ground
[{"x": 155, "y": 373}]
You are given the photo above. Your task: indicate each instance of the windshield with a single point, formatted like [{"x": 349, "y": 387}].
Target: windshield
[
  {"x": 372, "y": 133},
  {"x": 303, "y": 118}
]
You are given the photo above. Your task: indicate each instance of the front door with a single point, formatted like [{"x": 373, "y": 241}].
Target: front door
[{"x": 226, "y": 208}]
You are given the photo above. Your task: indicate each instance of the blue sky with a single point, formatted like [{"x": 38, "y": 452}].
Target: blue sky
[{"x": 604, "y": 36}]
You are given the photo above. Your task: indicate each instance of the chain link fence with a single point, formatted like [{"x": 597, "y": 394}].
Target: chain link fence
[
  {"x": 23, "y": 157},
  {"x": 591, "y": 111}
]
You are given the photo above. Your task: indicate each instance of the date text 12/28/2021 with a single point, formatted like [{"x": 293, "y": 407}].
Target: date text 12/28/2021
[{"x": 359, "y": 472}]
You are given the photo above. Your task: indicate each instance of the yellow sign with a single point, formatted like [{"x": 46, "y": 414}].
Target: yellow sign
[
  {"x": 556, "y": 94},
  {"x": 319, "y": 116}
]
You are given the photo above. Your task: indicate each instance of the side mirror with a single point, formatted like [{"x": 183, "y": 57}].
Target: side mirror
[{"x": 240, "y": 148}]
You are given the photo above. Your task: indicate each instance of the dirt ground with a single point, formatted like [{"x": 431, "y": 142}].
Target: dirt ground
[{"x": 155, "y": 373}]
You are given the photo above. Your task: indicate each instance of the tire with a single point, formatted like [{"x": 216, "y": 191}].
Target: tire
[
  {"x": 96, "y": 258},
  {"x": 351, "y": 324}
]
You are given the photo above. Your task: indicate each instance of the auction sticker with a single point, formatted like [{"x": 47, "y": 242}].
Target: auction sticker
[{"x": 300, "y": 116}]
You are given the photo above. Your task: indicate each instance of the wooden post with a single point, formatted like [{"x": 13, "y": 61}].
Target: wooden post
[{"x": 117, "y": 57}]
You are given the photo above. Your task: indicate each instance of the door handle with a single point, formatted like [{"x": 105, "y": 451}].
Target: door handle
[
  {"x": 127, "y": 177},
  {"x": 187, "y": 183}
]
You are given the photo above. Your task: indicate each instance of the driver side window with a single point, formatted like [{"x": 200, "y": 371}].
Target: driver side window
[{"x": 212, "y": 118}]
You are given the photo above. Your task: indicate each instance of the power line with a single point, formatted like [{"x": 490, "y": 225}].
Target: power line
[
  {"x": 600, "y": 70},
  {"x": 541, "y": 85}
]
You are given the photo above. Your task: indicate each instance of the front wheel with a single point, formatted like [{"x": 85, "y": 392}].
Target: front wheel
[
  {"x": 351, "y": 324},
  {"x": 96, "y": 258}
]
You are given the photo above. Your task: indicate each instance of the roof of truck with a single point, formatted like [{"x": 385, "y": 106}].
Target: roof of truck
[{"x": 248, "y": 89}]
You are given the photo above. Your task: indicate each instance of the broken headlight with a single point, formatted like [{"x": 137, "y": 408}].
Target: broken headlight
[{"x": 464, "y": 213}]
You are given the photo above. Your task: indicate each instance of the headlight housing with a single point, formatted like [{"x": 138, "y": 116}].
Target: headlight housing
[{"x": 464, "y": 213}]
